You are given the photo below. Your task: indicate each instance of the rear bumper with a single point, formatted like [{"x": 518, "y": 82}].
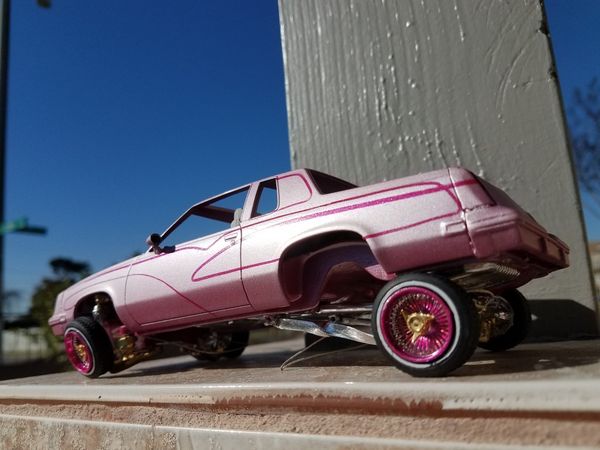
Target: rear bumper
[{"x": 496, "y": 230}]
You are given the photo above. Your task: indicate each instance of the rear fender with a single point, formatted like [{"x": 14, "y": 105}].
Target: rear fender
[{"x": 307, "y": 276}]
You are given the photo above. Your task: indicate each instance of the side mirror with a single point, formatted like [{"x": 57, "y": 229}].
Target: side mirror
[{"x": 153, "y": 240}]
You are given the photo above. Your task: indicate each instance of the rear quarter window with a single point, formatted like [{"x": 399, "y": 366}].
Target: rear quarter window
[{"x": 327, "y": 184}]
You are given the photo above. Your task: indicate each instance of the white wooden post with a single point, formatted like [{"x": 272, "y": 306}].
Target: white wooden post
[{"x": 378, "y": 89}]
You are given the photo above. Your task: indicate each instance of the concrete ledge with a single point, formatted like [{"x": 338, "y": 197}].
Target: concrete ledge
[
  {"x": 542, "y": 395},
  {"x": 530, "y": 398},
  {"x": 28, "y": 432}
]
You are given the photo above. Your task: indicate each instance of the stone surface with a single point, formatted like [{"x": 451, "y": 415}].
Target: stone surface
[
  {"x": 571, "y": 360},
  {"x": 536, "y": 395},
  {"x": 381, "y": 89},
  {"x": 20, "y": 432}
]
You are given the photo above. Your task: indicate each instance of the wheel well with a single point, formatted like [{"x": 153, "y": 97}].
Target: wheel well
[
  {"x": 295, "y": 256},
  {"x": 85, "y": 306},
  {"x": 314, "y": 243}
]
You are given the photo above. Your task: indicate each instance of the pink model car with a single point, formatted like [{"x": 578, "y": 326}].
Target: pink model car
[{"x": 425, "y": 267}]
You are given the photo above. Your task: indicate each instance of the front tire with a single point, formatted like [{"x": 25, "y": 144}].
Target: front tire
[
  {"x": 88, "y": 347},
  {"x": 213, "y": 345},
  {"x": 239, "y": 342},
  {"x": 425, "y": 324}
]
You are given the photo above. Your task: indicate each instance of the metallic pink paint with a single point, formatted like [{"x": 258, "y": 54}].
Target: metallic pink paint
[
  {"x": 299, "y": 197},
  {"x": 427, "y": 220}
]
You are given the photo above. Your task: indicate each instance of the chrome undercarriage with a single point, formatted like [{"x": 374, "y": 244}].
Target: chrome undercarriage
[
  {"x": 354, "y": 322},
  {"x": 336, "y": 318}
]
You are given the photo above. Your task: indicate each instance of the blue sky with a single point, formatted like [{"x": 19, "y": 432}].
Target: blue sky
[
  {"x": 122, "y": 114},
  {"x": 575, "y": 33}
]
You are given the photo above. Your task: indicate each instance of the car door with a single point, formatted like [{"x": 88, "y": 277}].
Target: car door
[{"x": 188, "y": 282}]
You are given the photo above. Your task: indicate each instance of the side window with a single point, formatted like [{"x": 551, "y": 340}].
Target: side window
[
  {"x": 193, "y": 227},
  {"x": 266, "y": 198},
  {"x": 232, "y": 201}
]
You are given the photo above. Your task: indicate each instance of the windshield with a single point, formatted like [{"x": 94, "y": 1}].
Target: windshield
[{"x": 206, "y": 218}]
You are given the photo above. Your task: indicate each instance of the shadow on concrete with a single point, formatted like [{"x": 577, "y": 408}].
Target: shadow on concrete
[
  {"x": 263, "y": 360},
  {"x": 31, "y": 368},
  {"x": 529, "y": 358},
  {"x": 137, "y": 371},
  {"x": 543, "y": 357},
  {"x": 561, "y": 319},
  {"x": 518, "y": 360}
]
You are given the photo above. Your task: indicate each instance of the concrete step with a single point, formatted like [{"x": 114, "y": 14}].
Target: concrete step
[
  {"x": 28, "y": 432},
  {"x": 557, "y": 398},
  {"x": 550, "y": 397}
]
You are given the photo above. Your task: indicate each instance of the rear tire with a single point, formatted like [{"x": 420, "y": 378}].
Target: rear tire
[
  {"x": 425, "y": 324},
  {"x": 521, "y": 323},
  {"x": 88, "y": 347}
]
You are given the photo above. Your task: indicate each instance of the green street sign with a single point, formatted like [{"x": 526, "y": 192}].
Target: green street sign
[{"x": 21, "y": 226}]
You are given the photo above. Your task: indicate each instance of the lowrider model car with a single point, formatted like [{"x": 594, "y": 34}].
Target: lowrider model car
[{"x": 425, "y": 267}]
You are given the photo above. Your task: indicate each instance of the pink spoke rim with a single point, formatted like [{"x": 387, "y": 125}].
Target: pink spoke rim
[
  {"x": 78, "y": 352},
  {"x": 438, "y": 330}
]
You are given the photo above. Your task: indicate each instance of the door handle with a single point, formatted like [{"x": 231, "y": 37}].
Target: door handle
[{"x": 230, "y": 239}]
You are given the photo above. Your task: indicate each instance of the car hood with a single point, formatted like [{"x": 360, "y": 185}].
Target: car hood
[{"x": 114, "y": 271}]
